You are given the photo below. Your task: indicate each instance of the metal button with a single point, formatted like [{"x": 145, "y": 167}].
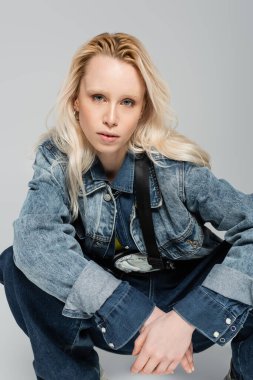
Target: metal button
[
  {"x": 107, "y": 197},
  {"x": 111, "y": 345},
  {"x": 126, "y": 247},
  {"x": 216, "y": 334},
  {"x": 228, "y": 321},
  {"x": 103, "y": 329},
  {"x": 233, "y": 328},
  {"x": 222, "y": 340}
]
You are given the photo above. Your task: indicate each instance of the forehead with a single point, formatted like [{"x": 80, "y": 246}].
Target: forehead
[{"x": 107, "y": 73}]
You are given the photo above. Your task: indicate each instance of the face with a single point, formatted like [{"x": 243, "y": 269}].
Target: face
[{"x": 110, "y": 102}]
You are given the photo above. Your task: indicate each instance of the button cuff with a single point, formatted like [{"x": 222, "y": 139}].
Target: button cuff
[{"x": 228, "y": 321}]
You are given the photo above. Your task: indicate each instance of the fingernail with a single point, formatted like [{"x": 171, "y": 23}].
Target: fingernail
[{"x": 192, "y": 368}]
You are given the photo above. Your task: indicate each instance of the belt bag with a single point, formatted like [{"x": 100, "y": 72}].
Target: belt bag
[{"x": 132, "y": 261}]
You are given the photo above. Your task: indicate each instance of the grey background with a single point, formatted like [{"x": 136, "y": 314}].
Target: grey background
[{"x": 202, "y": 48}]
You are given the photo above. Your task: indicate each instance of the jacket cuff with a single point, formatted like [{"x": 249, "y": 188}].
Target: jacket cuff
[
  {"x": 215, "y": 316},
  {"x": 238, "y": 285},
  {"x": 92, "y": 287},
  {"x": 123, "y": 314}
]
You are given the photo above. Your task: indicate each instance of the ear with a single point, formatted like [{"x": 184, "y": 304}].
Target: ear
[{"x": 76, "y": 104}]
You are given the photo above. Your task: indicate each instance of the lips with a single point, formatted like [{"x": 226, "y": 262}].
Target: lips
[
  {"x": 107, "y": 137},
  {"x": 108, "y": 134}
]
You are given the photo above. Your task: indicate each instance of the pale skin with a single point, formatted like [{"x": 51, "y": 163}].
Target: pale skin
[
  {"x": 159, "y": 352},
  {"x": 110, "y": 104}
]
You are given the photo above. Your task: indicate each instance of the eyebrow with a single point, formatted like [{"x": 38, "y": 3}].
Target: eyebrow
[{"x": 100, "y": 91}]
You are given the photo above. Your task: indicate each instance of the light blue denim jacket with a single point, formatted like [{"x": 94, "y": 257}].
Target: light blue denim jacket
[{"x": 183, "y": 197}]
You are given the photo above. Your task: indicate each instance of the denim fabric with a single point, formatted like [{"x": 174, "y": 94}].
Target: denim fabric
[
  {"x": 217, "y": 317},
  {"x": 183, "y": 197},
  {"x": 64, "y": 347}
]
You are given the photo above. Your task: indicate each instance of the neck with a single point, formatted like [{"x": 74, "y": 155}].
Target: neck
[{"x": 111, "y": 163}]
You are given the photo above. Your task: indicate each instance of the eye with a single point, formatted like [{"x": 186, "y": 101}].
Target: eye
[
  {"x": 97, "y": 98},
  {"x": 129, "y": 102}
]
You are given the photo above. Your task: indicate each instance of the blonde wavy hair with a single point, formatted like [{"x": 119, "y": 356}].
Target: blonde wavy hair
[{"x": 156, "y": 127}]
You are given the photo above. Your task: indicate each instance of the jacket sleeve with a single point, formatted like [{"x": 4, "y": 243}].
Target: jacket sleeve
[
  {"x": 217, "y": 317},
  {"x": 227, "y": 209},
  {"x": 46, "y": 251},
  {"x": 219, "y": 306}
]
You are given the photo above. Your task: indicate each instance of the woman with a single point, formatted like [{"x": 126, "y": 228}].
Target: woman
[{"x": 60, "y": 282}]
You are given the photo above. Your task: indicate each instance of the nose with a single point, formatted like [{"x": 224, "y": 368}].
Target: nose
[{"x": 110, "y": 118}]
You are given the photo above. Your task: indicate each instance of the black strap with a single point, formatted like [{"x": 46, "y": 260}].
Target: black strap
[{"x": 141, "y": 182}]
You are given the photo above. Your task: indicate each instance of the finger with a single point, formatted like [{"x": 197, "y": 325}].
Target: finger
[
  {"x": 161, "y": 369},
  {"x": 139, "y": 343},
  {"x": 189, "y": 357},
  {"x": 150, "y": 366},
  {"x": 140, "y": 362},
  {"x": 171, "y": 368},
  {"x": 186, "y": 365},
  {"x": 136, "y": 351}
]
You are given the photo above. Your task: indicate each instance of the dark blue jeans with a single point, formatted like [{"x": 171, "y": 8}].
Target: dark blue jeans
[{"x": 64, "y": 347}]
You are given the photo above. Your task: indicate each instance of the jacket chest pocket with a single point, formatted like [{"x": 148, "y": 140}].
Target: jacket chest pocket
[
  {"x": 186, "y": 246},
  {"x": 92, "y": 245}
]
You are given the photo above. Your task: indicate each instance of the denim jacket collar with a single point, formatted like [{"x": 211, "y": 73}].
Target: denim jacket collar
[{"x": 96, "y": 179}]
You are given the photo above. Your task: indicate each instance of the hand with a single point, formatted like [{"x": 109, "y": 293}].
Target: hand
[
  {"x": 187, "y": 362},
  {"x": 155, "y": 314},
  {"x": 164, "y": 342}
]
